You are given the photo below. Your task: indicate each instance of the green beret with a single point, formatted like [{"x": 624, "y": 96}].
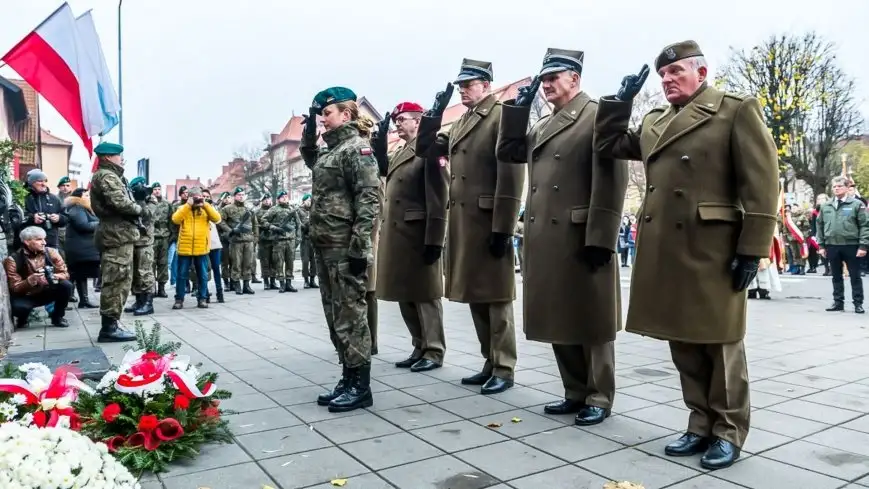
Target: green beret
[
  {"x": 63, "y": 181},
  {"x": 138, "y": 181},
  {"x": 677, "y": 51},
  {"x": 266, "y": 196},
  {"x": 282, "y": 193},
  {"x": 223, "y": 195},
  {"x": 156, "y": 185},
  {"x": 108, "y": 149},
  {"x": 306, "y": 197},
  {"x": 331, "y": 96},
  {"x": 182, "y": 189},
  {"x": 238, "y": 190}
]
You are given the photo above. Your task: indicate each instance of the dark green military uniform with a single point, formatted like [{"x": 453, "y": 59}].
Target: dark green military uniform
[
  {"x": 346, "y": 204},
  {"x": 264, "y": 245},
  {"x": 225, "y": 268},
  {"x": 284, "y": 224},
  {"x": 843, "y": 231},
  {"x": 115, "y": 237},
  {"x": 162, "y": 217},
  {"x": 143, "y": 254},
  {"x": 306, "y": 248},
  {"x": 240, "y": 223}
]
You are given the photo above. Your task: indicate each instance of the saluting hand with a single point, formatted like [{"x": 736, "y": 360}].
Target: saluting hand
[
  {"x": 310, "y": 123},
  {"x": 380, "y": 141},
  {"x": 527, "y": 93},
  {"x": 632, "y": 84},
  {"x": 442, "y": 99}
]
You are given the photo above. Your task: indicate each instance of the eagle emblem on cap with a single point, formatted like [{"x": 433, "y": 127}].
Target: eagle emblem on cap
[{"x": 670, "y": 53}]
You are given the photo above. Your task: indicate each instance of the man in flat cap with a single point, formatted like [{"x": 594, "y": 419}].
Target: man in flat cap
[
  {"x": 240, "y": 224},
  {"x": 572, "y": 294},
  {"x": 115, "y": 237},
  {"x": 264, "y": 246},
  {"x": 409, "y": 267},
  {"x": 162, "y": 217},
  {"x": 485, "y": 195},
  {"x": 707, "y": 219}
]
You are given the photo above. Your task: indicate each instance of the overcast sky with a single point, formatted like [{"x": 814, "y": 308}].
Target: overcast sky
[{"x": 203, "y": 78}]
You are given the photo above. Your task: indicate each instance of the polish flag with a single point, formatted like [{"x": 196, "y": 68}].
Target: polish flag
[{"x": 54, "y": 62}]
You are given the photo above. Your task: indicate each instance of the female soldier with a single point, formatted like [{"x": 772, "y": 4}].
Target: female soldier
[{"x": 346, "y": 204}]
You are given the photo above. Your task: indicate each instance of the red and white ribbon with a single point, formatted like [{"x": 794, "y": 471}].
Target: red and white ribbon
[{"x": 187, "y": 385}]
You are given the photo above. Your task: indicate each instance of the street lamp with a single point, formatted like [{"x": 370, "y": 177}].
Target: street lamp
[{"x": 120, "y": 81}]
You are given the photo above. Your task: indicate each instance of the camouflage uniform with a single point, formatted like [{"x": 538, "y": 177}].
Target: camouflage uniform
[
  {"x": 225, "y": 261},
  {"x": 306, "y": 249},
  {"x": 143, "y": 262},
  {"x": 115, "y": 236},
  {"x": 264, "y": 247},
  {"x": 162, "y": 218},
  {"x": 285, "y": 226},
  {"x": 241, "y": 244},
  {"x": 802, "y": 223},
  {"x": 345, "y": 191}
]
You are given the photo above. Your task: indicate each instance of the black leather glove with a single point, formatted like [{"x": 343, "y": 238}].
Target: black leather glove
[
  {"x": 527, "y": 93},
  {"x": 431, "y": 254},
  {"x": 140, "y": 193},
  {"x": 358, "y": 265},
  {"x": 744, "y": 270},
  {"x": 442, "y": 100},
  {"x": 310, "y": 123},
  {"x": 632, "y": 84},
  {"x": 498, "y": 244},
  {"x": 380, "y": 141},
  {"x": 596, "y": 257}
]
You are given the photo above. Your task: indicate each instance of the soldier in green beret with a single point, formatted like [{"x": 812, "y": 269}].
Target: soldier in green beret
[
  {"x": 162, "y": 218},
  {"x": 115, "y": 237},
  {"x": 346, "y": 187},
  {"x": 64, "y": 190},
  {"x": 143, "y": 251},
  {"x": 265, "y": 244},
  {"x": 240, "y": 225},
  {"x": 708, "y": 217},
  {"x": 284, "y": 226},
  {"x": 306, "y": 248}
]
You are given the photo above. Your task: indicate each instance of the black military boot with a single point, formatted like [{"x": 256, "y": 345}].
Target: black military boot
[
  {"x": 288, "y": 286},
  {"x": 752, "y": 293},
  {"x": 111, "y": 332},
  {"x": 220, "y": 296},
  {"x": 140, "y": 299},
  {"x": 340, "y": 387},
  {"x": 246, "y": 288},
  {"x": 358, "y": 392},
  {"x": 161, "y": 291},
  {"x": 236, "y": 287},
  {"x": 83, "y": 301},
  {"x": 147, "y": 306},
  {"x": 226, "y": 284},
  {"x": 314, "y": 283},
  {"x": 281, "y": 287},
  {"x": 255, "y": 280},
  {"x": 267, "y": 284},
  {"x": 763, "y": 294},
  {"x": 275, "y": 284},
  {"x": 307, "y": 284}
]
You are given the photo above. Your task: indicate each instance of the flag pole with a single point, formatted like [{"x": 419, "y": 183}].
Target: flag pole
[{"x": 120, "y": 82}]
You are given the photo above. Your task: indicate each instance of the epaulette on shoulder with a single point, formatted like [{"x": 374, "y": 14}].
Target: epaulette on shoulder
[{"x": 736, "y": 96}]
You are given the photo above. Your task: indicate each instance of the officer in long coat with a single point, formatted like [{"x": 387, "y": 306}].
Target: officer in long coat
[
  {"x": 485, "y": 196},
  {"x": 706, "y": 221},
  {"x": 413, "y": 228},
  {"x": 572, "y": 294}
]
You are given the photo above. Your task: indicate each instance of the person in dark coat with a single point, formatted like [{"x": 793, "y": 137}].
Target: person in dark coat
[
  {"x": 42, "y": 208},
  {"x": 82, "y": 256}
]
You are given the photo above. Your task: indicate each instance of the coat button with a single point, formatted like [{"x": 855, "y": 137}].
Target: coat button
[
  {"x": 532, "y": 219},
  {"x": 454, "y": 151},
  {"x": 453, "y": 176},
  {"x": 400, "y": 179},
  {"x": 651, "y": 188},
  {"x": 555, "y": 187},
  {"x": 554, "y": 221},
  {"x": 464, "y": 150},
  {"x": 394, "y": 223},
  {"x": 648, "y": 218},
  {"x": 535, "y": 158},
  {"x": 685, "y": 158},
  {"x": 679, "y": 225},
  {"x": 534, "y": 189},
  {"x": 452, "y": 202},
  {"x": 464, "y": 177},
  {"x": 557, "y": 156},
  {"x": 397, "y": 201},
  {"x": 679, "y": 192}
]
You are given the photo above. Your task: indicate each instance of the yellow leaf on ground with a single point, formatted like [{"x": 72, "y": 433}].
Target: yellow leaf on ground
[
  {"x": 622, "y": 485},
  {"x": 494, "y": 425},
  {"x": 516, "y": 420},
  {"x": 339, "y": 482}
]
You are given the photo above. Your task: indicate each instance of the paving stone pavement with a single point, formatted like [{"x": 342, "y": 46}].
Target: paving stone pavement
[{"x": 810, "y": 399}]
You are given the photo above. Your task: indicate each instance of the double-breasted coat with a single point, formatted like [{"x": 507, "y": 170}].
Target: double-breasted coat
[
  {"x": 712, "y": 193},
  {"x": 575, "y": 199},
  {"x": 484, "y": 198},
  {"x": 414, "y": 216}
]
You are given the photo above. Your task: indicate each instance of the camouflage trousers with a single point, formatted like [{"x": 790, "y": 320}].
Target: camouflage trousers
[
  {"x": 283, "y": 259},
  {"x": 266, "y": 258},
  {"x": 243, "y": 260},
  {"x": 225, "y": 268},
  {"x": 143, "y": 269},
  {"x": 796, "y": 254},
  {"x": 161, "y": 260},
  {"x": 343, "y": 296},
  {"x": 117, "y": 277},
  {"x": 252, "y": 260},
  {"x": 309, "y": 263}
]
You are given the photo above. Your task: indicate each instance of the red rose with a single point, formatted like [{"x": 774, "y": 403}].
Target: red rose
[
  {"x": 151, "y": 355},
  {"x": 168, "y": 429},
  {"x": 211, "y": 412},
  {"x": 114, "y": 443},
  {"x": 182, "y": 402},
  {"x": 147, "y": 422},
  {"x": 111, "y": 412},
  {"x": 40, "y": 419}
]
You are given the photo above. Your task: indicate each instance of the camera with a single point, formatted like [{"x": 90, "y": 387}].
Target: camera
[
  {"x": 48, "y": 270},
  {"x": 45, "y": 221},
  {"x": 198, "y": 200}
]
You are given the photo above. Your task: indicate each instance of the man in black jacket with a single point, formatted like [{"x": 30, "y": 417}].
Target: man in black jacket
[{"x": 42, "y": 208}]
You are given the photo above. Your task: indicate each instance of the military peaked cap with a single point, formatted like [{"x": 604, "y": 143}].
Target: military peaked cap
[
  {"x": 475, "y": 70},
  {"x": 557, "y": 60},
  {"x": 108, "y": 149},
  {"x": 677, "y": 51},
  {"x": 331, "y": 96},
  {"x": 238, "y": 190},
  {"x": 138, "y": 181},
  {"x": 63, "y": 181}
]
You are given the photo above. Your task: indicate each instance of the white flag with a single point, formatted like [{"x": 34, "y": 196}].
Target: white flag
[{"x": 100, "y": 102}]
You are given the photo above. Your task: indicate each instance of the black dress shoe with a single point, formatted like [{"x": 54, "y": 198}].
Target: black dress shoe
[
  {"x": 859, "y": 309},
  {"x": 495, "y": 385},
  {"x": 424, "y": 365},
  {"x": 591, "y": 415},
  {"x": 837, "y": 306},
  {"x": 477, "y": 379},
  {"x": 566, "y": 406},
  {"x": 689, "y": 444},
  {"x": 407, "y": 362},
  {"x": 720, "y": 454}
]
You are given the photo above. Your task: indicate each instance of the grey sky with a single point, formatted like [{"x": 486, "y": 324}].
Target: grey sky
[{"x": 202, "y": 79}]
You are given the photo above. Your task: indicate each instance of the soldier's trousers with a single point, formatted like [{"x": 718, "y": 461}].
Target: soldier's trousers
[
  {"x": 143, "y": 269},
  {"x": 309, "y": 263},
  {"x": 225, "y": 267},
  {"x": 796, "y": 253},
  {"x": 371, "y": 302},
  {"x": 161, "y": 260},
  {"x": 343, "y": 296},
  {"x": 266, "y": 258},
  {"x": 242, "y": 260},
  {"x": 117, "y": 277},
  {"x": 283, "y": 259},
  {"x": 425, "y": 322},
  {"x": 588, "y": 373},
  {"x": 715, "y": 389},
  {"x": 497, "y": 335},
  {"x": 252, "y": 260}
]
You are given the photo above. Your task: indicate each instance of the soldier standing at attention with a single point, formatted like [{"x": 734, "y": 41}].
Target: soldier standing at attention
[
  {"x": 706, "y": 220},
  {"x": 162, "y": 219},
  {"x": 225, "y": 268},
  {"x": 414, "y": 222},
  {"x": 115, "y": 237},
  {"x": 485, "y": 196},
  {"x": 143, "y": 251},
  {"x": 346, "y": 203},
  {"x": 283, "y": 224},
  {"x": 240, "y": 224},
  {"x": 797, "y": 234},
  {"x": 255, "y": 252},
  {"x": 573, "y": 215},
  {"x": 264, "y": 246},
  {"x": 306, "y": 249}
]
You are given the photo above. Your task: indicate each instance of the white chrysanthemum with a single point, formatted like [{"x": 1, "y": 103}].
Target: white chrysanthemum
[
  {"x": 108, "y": 380},
  {"x": 19, "y": 399},
  {"x": 57, "y": 458},
  {"x": 26, "y": 420},
  {"x": 8, "y": 411}
]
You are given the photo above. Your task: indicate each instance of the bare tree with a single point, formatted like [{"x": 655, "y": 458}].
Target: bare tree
[{"x": 262, "y": 173}]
